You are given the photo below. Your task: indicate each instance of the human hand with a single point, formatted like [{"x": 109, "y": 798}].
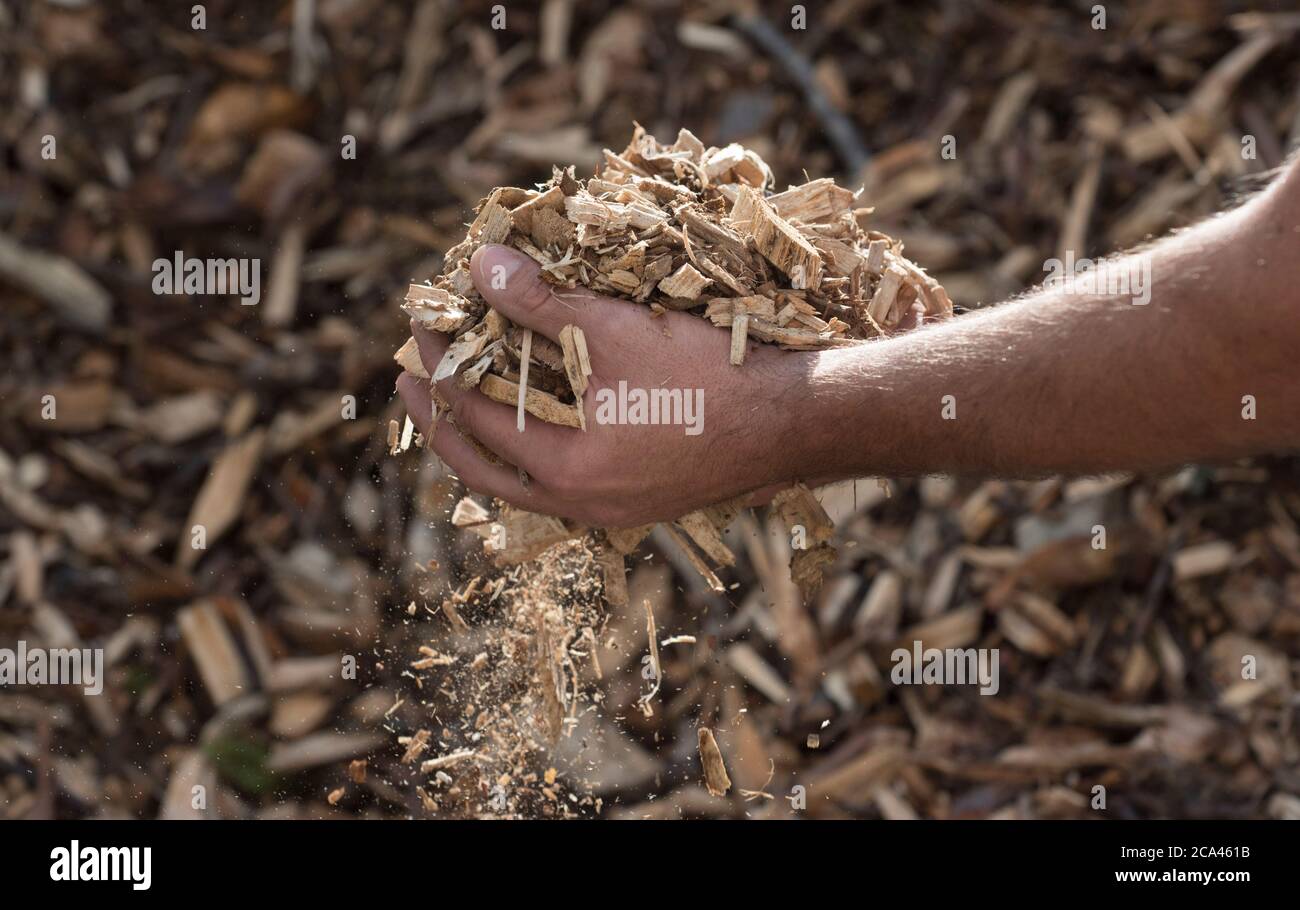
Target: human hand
[{"x": 734, "y": 424}]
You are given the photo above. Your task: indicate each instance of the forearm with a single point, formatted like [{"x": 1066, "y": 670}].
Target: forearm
[
  {"x": 1060, "y": 382},
  {"x": 1070, "y": 382}
]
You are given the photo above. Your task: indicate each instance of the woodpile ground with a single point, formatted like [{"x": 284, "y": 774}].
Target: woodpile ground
[{"x": 268, "y": 425}]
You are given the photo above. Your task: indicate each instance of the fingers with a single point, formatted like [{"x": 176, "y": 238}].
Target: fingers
[
  {"x": 491, "y": 425},
  {"x": 419, "y": 403},
  {"x": 536, "y": 450},
  {"x": 501, "y": 481},
  {"x": 512, "y": 284}
]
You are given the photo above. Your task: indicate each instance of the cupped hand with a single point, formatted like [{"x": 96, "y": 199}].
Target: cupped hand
[{"x": 734, "y": 423}]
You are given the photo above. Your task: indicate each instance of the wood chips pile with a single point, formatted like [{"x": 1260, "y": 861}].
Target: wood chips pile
[{"x": 680, "y": 227}]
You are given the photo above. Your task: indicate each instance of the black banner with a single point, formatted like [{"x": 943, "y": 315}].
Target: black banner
[{"x": 386, "y": 860}]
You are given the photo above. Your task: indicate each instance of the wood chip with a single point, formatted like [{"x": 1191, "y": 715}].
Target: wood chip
[
  {"x": 220, "y": 499},
  {"x": 686, "y": 282},
  {"x": 209, "y": 642},
  {"x": 716, "y": 778},
  {"x": 536, "y": 402}
]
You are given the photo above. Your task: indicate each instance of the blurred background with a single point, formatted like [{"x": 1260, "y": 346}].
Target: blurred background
[{"x": 343, "y": 144}]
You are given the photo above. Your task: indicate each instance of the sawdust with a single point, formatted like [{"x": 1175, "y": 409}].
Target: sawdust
[{"x": 521, "y": 670}]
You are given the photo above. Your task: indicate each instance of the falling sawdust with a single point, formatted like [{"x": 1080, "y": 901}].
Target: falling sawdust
[{"x": 522, "y": 669}]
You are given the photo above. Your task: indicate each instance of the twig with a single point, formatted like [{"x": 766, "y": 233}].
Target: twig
[
  {"x": 524, "y": 355},
  {"x": 839, "y": 129},
  {"x": 644, "y": 701}
]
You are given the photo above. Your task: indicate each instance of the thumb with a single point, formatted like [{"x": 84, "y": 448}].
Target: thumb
[{"x": 513, "y": 285}]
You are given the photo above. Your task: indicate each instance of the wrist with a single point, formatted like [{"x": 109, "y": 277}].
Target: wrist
[{"x": 795, "y": 441}]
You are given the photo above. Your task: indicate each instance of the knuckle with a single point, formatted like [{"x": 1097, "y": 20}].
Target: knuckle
[
  {"x": 464, "y": 414},
  {"x": 566, "y": 486},
  {"x": 560, "y": 475}
]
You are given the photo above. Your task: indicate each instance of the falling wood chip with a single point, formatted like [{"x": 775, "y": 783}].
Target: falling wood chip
[
  {"x": 693, "y": 558},
  {"x": 527, "y": 534},
  {"x": 448, "y": 760},
  {"x": 469, "y": 513},
  {"x": 706, "y": 536},
  {"x": 652, "y": 635},
  {"x": 416, "y": 745},
  {"x": 811, "y": 531},
  {"x": 715, "y": 769}
]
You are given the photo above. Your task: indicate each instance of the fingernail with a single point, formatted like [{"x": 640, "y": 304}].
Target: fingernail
[{"x": 497, "y": 264}]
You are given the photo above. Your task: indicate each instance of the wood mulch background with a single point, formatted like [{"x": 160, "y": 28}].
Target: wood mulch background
[{"x": 229, "y": 667}]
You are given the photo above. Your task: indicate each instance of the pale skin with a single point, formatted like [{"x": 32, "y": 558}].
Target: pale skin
[{"x": 1059, "y": 381}]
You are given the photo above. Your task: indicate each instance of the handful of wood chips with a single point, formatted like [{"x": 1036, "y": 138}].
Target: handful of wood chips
[{"x": 679, "y": 227}]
